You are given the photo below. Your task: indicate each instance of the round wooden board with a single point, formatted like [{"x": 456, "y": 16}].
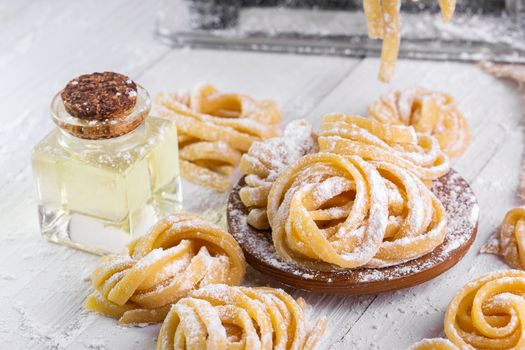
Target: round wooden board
[{"x": 457, "y": 198}]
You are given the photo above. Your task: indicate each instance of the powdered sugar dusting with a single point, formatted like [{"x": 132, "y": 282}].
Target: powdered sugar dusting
[
  {"x": 280, "y": 152},
  {"x": 452, "y": 190}
]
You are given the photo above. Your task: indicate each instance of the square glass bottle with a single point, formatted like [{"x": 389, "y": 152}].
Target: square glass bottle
[{"x": 106, "y": 174}]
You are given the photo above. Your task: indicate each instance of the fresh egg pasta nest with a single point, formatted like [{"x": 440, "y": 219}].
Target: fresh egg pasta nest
[
  {"x": 181, "y": 253},
  {"x": 328, "y": 210},
  {"x": 428, "y": 112},
  {"x": 220, "y": 317},
  {"x": 489, "y": 312},
  {"x": 215, "y": 129},
  {"x": 265, "y": 160}
]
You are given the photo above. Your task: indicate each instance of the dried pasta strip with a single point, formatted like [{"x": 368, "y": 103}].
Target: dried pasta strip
[
  {"x": 220, "y": 317},
  {"x": 181, "y": 253}
]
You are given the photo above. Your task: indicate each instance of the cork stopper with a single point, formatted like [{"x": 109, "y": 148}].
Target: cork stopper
[
  {"x": 100, "y": 106},
  {"x": 100, "y": 96}
]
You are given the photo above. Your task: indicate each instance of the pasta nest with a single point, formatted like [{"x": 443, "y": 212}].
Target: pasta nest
[
  {"x": 330, "y": 211},
  {"x": 181, "y": 253},
  {"x": 215, "y": 129},
  {"x": 222, "y": 317},
  {"x": 265, "y": 160},
  {"x": 428, "y": 112},
  {"x": 374, "y": 141},
  {"x": 489, "y": 312}
]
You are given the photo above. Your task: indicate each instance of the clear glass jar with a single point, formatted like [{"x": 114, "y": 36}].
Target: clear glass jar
[{"x": 103, "y": 183}]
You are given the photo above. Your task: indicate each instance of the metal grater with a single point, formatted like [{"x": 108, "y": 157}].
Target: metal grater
[{"x": 480, "y": 30}]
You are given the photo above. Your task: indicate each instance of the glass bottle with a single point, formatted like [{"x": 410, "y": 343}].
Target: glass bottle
[{"x": 102, "y": 183}]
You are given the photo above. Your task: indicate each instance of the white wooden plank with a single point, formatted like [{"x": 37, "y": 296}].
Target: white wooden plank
[{"x": 43, "y": 44}]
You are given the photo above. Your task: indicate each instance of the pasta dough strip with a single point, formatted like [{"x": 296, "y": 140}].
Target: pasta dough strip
[
  {"x": 383, "y": 22},
  {"x": 391, "y": 39}
]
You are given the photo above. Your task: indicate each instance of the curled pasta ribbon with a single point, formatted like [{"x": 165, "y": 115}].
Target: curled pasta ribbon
[
  {"x": 383, "y": 22},
  {"x": 417, "y": 221},
  {"x": 434, "y": 344},
  {"x": 181, "y": 253},
  {"x": 375, "y": 141},
  {"x": 265, "y": 160},
  {"x": 428, "y": 112},
  {"x": 328, "y": 210},
  {"x": 511, "y": 239},
  {"x": 489, "y": 312},
  {"x": 215, "y": 129},
  {"x": 221, "y": 317}
]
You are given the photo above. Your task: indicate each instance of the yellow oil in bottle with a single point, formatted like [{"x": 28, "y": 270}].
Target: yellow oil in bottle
[{"x": 97, "y": 195}]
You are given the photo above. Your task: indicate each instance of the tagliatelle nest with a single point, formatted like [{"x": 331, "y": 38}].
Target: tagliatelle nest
[
  {"x": 181, "y": 253},
  {"x": 215, "y": 129},
  {"x": 221, "y": 317},
  {"x": 430, "y": 112}
]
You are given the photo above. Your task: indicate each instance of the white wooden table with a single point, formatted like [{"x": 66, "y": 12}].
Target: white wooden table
[{"x": 45, "y": 43}]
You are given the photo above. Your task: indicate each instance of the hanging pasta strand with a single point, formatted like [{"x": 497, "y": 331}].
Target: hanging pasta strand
[
  {"x": 374, "y": 18},
  {"x": 383, "y": 22},
  {"x": 447, "y": 9},
  {"x": 391, "y": 39}
]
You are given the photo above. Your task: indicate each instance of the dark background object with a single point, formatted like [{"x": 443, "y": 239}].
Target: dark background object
[
  {"x": 222, "y": 14},
  {"x": 492, "y": 30}
]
